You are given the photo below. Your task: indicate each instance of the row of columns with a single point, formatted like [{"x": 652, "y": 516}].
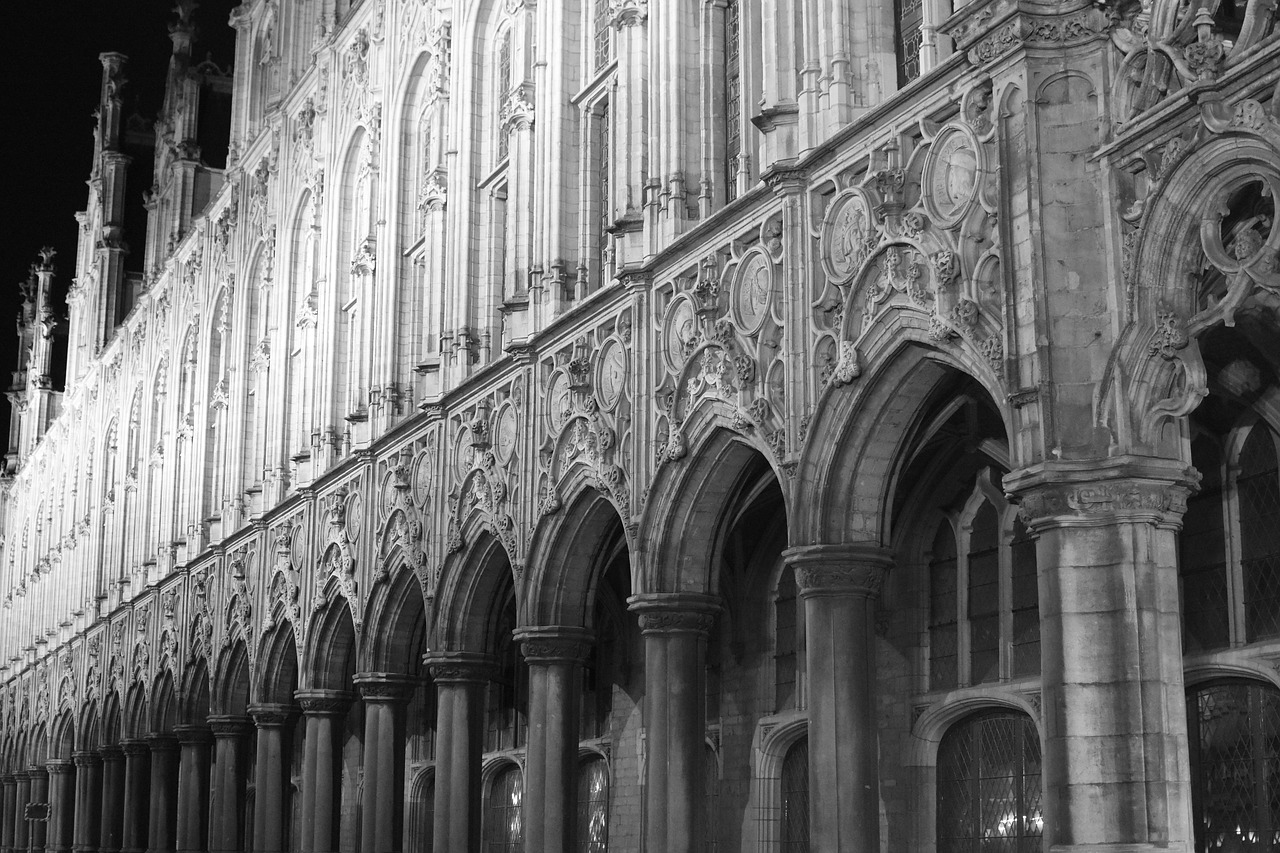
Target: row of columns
[{"x": 1109, "y": 573}]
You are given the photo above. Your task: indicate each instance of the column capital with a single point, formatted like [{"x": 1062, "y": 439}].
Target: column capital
[
  {"x": 59, "y": 766},
  {"x": 85, "y": 758},
  {"x": 384, "y": 686},
  {"x": 8, "y": 779},
  {"x": 136, "y": 746},
  {"x": 112, "y": 753},
  {"x": 193, "y": 734},
  {"x": 1095, "y": 492},
  {"x": 22, "y": 776},
  {"x": 675, "y": 612},
  {"x": 228, "y": 725},
  {"x": 554, "y": 644},
  {"x": 35, "y": 773},
  {"x": 853, "y": 568},
  {"x": 324, "y": 703},
  {"x": 161, "y": 742},
  {"x": 272, "y": 714},
  {"x": 459, "y": 667}
]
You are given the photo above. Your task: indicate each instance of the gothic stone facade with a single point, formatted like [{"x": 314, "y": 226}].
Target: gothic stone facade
[{"x": 665, "y": 426}]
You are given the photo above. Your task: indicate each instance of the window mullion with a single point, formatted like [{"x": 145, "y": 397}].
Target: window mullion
[
  {"x": 1235, "y": 571},
  {"x": 1006, "y": 598},
  {"x": 964, "y": 644}
]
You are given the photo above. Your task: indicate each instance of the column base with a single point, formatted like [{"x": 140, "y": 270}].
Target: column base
[{"x": 1121, "y": 847}]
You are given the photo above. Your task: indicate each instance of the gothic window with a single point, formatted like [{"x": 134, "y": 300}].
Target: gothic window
[
  {"x": 508, "y": 692},
  {"x": 732, "y": 96},
  {"x": 711, "y": 784},
  {"x": 910, "y": 14},
  {"x": 788, "y": 650},
  {"x": 603, "y": 200},
  {"x": 1229, "y": 549},
  {"x": 983, "y": 604},
  {"x": 1233, "y": 729},
  {"x": 795, "y": 798},
  {"x": 503, "y": 89},
  {"x": 503, "y": 822},
  {"x": 598, "y": 677},
  {"x": 988, "y": 788},
  {"x": 422, "y": 813},
  {"x": 593, "y": 806},
  {"x": 602, "y": 30}
]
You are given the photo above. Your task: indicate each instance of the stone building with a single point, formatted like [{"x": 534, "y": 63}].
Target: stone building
[{"x": 641, "y": 425}]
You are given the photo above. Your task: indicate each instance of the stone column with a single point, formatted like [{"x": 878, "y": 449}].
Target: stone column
[
  {"x": 8, "y": 809},
  {"x": 460, "y": 679},
  {"x": 839, "y": 585},
  {"x": 322, "y": 712},
  {"x": 271, "y": 770},
  {"x": 111, "y": 803},
  {"x": 382, "y": 799},
  {"x": 62, "y": 805},
  {"x": 675, "y": 628},
  {"x": 1116, "y": 771},
  {"x": 85, "y": 836},
  {"x": 136, "y": 808},
  {"x": 39, "y": 794},
  {"x": 226, "y": 805},
  {"x": 193, "y": 788},
  {"x": 163, "y": 787},
  {"x": 21, "y": 797},
  {"x": 555, "y": 656}
]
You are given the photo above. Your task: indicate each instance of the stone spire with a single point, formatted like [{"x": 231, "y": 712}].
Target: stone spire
[
  {"x": 34, "y": 402},
  {"x": 96, "y": 297}
]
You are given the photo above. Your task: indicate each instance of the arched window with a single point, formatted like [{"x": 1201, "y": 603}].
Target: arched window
[
  {"x": 509, "y": 692},
  {"x": 910, "y": 37},
  {"x": 503, "y": 821},
  {"x": 1233, "y": 730},
  {"x": 1258, "y": 487},
  {"x": 795, "y": 798},
  {"x": 983, "y": 598},
  {"x": 1230, "y": 542},
  {"x": 732, "y": 97},
  {"x": 593, "y": 806},
  {"x": 989, "y": 785}
]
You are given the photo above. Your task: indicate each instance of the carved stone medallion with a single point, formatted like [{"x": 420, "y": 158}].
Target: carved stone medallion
[
  {"x": 950, "y": 176},
  {"x": 611, "y": 374},
  {"x": 753, "y": 291},
  {"x": 504, "y": 434},
  {"x": 848, "y": 235}
]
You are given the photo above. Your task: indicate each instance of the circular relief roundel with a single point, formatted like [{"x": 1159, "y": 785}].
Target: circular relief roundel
[
  {"x": 679, "y": 332},
  {"x": 611, "y": 373},
  {"x": 753, "y": 291},
  {"x": 847, "y": 237},
  {"x": 557, "y": 401},
  {"x": 504, "y": 434},
  {"x": 462, "y": 453},
  {"x": 951, "y": 174},
  {"x": 422, "y": 477},
  {"x": 355, "y": 508}
]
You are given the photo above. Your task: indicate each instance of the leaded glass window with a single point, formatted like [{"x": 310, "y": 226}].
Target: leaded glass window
[
  {"x": 988, "y": 791},
  {"x": 984, "y": 596},
  {"x": 942, "y": 609},
  {"x": 503, "y": 821},
  {"x": 795, "y": 798},
  {"x": 711, "y": 782},
  {"x": 1234, "y": 737},
  {"x": 503, "y": 90},
  {"x": 1026, "y": 602},
  {"x": 602, "y": 31},
  {"x": 910, "y": 37},
  {"x": 1203, "y": 556},
  {"x": 1258, "y": 487},
  {"x": 732, "y": 96},
  {"x": 593, "y": 806}
]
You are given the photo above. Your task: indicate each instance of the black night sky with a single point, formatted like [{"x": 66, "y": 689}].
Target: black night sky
[{"x": 50, "y": 81}]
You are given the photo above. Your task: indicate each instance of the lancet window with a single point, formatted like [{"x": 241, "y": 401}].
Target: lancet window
[
  {"x": 503, "y": 819},
  {"x": 593, "y": 806}
]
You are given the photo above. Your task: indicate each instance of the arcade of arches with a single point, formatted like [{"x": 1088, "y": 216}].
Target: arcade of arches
[{"x": 608, "y": 425}]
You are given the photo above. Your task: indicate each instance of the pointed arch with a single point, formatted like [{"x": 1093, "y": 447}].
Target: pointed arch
[
  {"x": 230, "y": 689},
  {"x": 278, "y": 665},
  {"x": 332, "y": 656},
  {"x": 397, "y": 621},
  {"x": 469, "y": 585}
]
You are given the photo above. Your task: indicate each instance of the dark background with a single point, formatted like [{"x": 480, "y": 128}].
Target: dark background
[{"x": 50, "y": 76}]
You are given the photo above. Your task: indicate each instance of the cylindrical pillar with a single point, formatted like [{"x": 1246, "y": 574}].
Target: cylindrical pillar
[
  {"x": 271, "y": 770},
  {"x": 39, "y": 795},
  {"x": 839, "y": 585},
  {"x": 1110, "y": 651},
  {"x": 227, "y": 801},
  {"x": 21, "y": 798},
  {"x": 8, "y": 810},
  {"x": 62, "y": 805},
  {"x": 555, "y": 656},
  {"x": 111, "y": 803},
  {"x": 163, "y": 788},
  {"x": 322, "y": 712},
  {"x": 460, "y": 679},
  {"x": 382, "y": 799},
  {"x": 135, "y": 823},
  {"x": 675, "y": 628},
  {"x": 88, "y": 801},
  {"x": 193, "y": 788}
]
